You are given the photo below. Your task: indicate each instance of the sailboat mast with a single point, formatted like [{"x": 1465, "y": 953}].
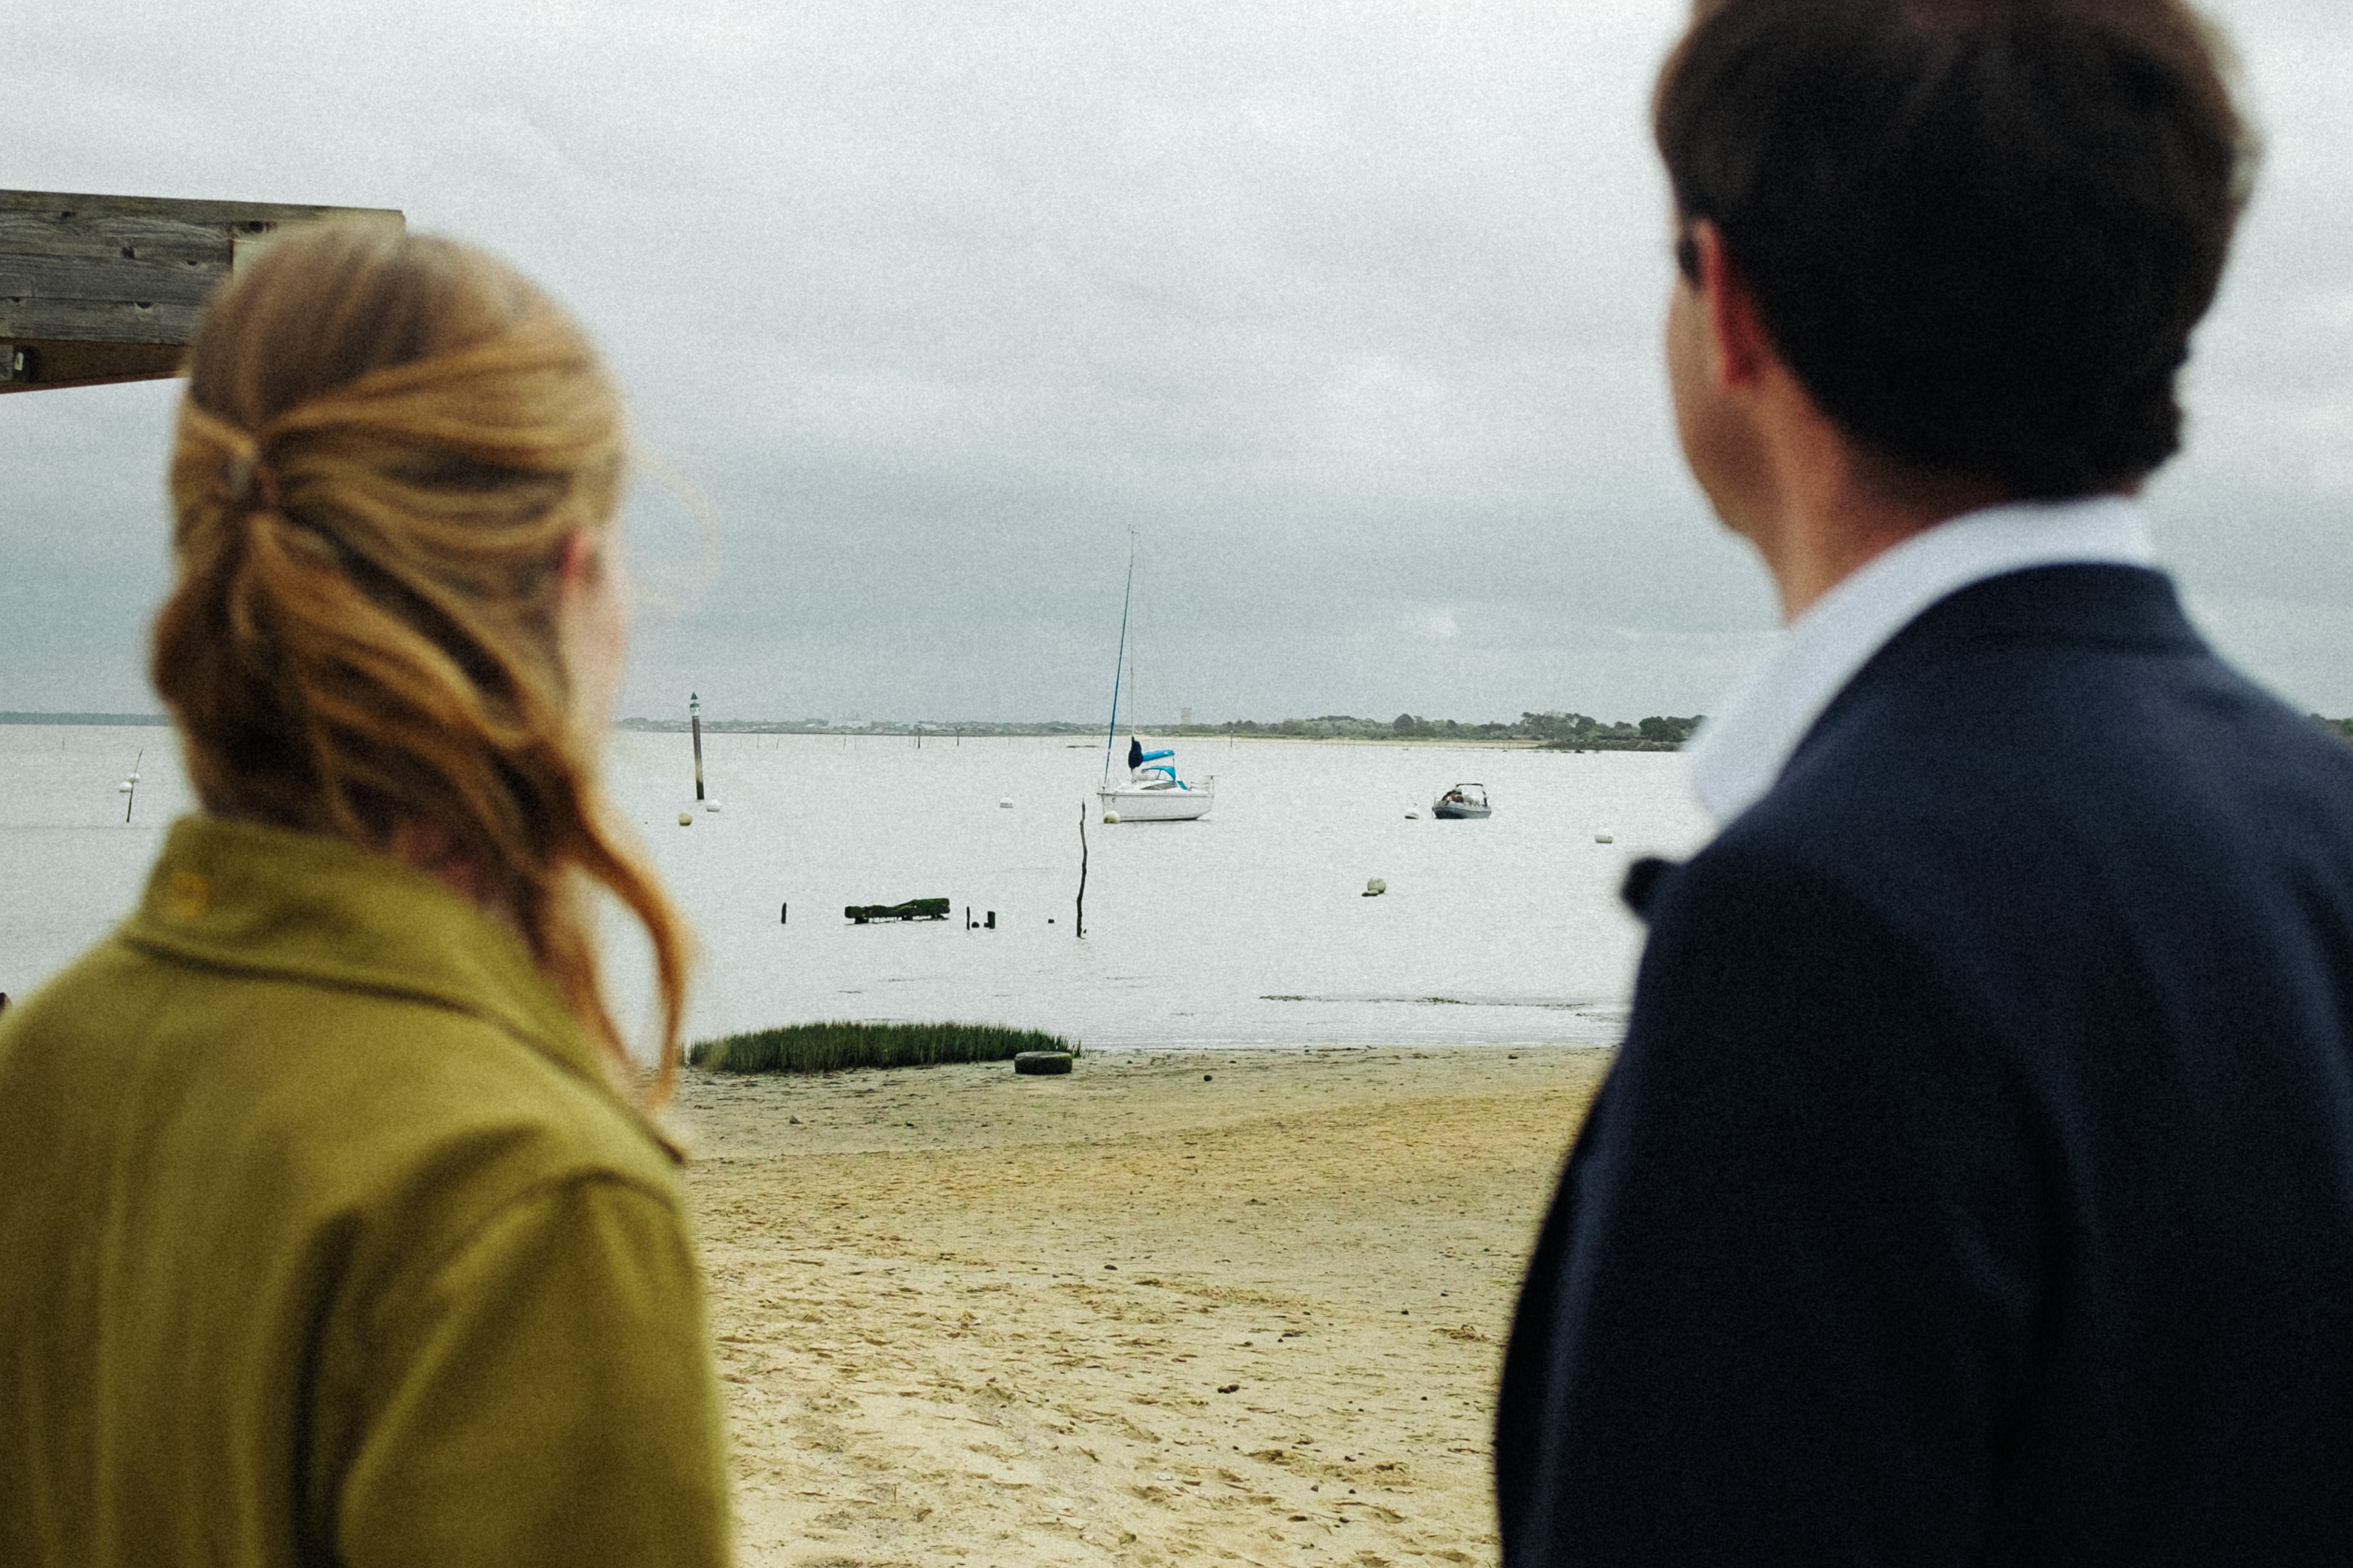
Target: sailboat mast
[
  {"x": 1119, "y": 664},
  {"x": 1134, "y": 686}
]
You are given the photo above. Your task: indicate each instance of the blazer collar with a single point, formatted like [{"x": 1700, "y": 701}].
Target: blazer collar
[
  {"x": 1742, "y": 749},
  {"x": 2078, "y": 604}
]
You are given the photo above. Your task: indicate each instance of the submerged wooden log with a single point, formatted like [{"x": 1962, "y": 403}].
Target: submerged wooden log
[{"x": 912, "y": 910}]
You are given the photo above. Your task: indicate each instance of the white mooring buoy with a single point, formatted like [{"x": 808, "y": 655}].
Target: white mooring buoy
[{"x": 1376, "y": 888}]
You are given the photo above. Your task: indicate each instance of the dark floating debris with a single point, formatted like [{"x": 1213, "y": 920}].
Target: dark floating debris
[{"x": 912, "y": 910}]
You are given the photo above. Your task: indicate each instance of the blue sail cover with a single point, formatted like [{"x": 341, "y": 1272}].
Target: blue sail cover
[{"x": 1137, "y": 757}]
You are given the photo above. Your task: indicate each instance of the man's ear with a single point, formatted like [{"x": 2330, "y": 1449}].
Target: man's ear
[{"x": 1739, "y": 350}]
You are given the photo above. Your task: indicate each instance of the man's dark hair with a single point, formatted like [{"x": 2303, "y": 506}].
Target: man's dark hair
[{"x": 1979, "y": 231}]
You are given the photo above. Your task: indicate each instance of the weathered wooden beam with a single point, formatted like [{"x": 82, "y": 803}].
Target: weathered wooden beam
[
  {"x": 87, "y": 320},
  {"x": 95, "y": 289},
  {"x": 110, "y": 276}
]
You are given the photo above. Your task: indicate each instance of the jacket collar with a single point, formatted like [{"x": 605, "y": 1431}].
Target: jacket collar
[
  {"x": 256, "y": 900},
  {"x": 2078, "y": 605},
  {"x": 1739, "y": 753}
]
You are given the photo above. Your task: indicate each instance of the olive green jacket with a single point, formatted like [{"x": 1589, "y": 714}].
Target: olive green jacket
[{"x": 323, "y": 1240}]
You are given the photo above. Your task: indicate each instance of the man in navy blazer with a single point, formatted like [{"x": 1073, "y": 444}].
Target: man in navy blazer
[{"x": 1974, "y": 1182}]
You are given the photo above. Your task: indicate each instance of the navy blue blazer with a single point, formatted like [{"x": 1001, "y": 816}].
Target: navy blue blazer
[{"x": 1975, "y": 1184}]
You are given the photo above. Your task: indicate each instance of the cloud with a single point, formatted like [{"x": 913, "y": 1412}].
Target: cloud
[{"x": 1348, "y": 306}]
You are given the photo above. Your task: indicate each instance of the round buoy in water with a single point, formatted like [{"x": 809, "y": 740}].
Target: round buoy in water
[
  {"x": 1110, "y": 817},
  {"x": 711, "y": 805},
  {"x": 686, "y": 819},
  {"x": 1041, "y": 1061}
]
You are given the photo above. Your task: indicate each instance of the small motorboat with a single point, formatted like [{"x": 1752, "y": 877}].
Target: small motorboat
[{"x": 1461, "y": 803}]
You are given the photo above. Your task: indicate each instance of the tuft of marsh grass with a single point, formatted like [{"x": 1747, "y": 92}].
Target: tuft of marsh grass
[{"x": 832, "y": 1048}]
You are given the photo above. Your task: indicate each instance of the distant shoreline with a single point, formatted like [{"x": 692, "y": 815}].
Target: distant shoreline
[
  {"x": 804, "y": 727},
  {"x": 1051, "y": 731}
]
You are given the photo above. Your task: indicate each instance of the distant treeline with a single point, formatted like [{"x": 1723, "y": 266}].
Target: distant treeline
[
  {"x": 861, "y": 727},
  {"x": 2339, "y": 726},
  {"x": 1553, "y": 731},
  {"x": 131, "y": 721}
]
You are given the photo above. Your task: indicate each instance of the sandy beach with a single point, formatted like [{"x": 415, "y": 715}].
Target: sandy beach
[{"x": 1234, "y": 1306}]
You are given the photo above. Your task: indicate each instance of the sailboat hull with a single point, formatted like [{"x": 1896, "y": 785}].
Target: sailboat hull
[{"x": 1133, "y": 803}]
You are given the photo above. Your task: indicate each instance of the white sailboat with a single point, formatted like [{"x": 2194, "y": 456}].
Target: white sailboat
[{"x": 1153, "y": 791}]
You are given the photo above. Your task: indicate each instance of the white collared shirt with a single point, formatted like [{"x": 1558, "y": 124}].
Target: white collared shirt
[{"x": 1741, "y": 751}]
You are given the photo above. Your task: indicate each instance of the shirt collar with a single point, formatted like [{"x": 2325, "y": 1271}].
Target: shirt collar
[{"x": 1741, "y": 751}]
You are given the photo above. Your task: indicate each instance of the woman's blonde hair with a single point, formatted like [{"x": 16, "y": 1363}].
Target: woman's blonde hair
[{"x": 387, "y": 444}]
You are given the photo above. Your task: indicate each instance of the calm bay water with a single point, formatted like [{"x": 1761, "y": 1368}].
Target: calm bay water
[{"x": 1247, "y": 928}]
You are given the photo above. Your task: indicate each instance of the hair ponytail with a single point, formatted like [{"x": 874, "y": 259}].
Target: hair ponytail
[{"x": 387, "y": 443}]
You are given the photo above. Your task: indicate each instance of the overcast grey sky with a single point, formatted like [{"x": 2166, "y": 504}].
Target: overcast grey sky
[{"x": 1348, "y": 306}]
